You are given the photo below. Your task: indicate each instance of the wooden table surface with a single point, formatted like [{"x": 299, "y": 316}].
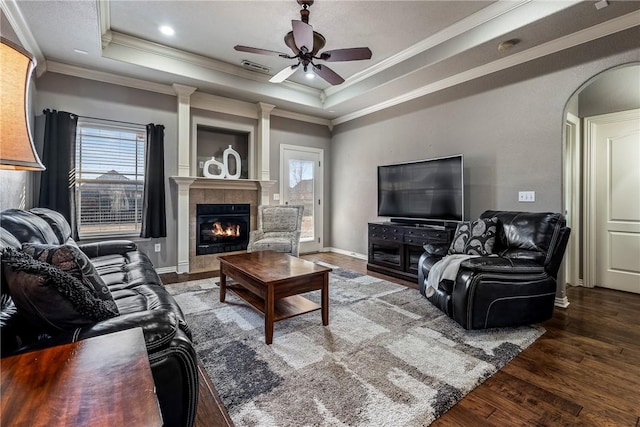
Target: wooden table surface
[
  {"x": 271, "y": 282},
  {"x": 101, "y": 381},
  {"x": 272, "y": 267}
]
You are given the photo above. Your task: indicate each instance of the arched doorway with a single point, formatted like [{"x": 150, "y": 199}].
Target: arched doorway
[{"x": 607, "y": 94}]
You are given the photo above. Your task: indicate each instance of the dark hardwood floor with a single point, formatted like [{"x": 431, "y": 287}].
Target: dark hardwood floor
[{"x": 585, "y": 370}]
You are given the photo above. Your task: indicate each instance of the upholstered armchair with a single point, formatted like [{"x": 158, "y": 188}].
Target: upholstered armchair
[
  {"x": 279, "y": 229},
  {"x": 514, "y": 285}
]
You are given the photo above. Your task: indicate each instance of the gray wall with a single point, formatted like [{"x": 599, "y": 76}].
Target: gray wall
[
  {"x": 105, "y": 101},
  {"x": 613, "y": 91},
  {"x": 507, "y": 125}
]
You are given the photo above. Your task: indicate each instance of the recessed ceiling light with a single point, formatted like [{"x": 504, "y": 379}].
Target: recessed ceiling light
[
  {"x": 81, "y": 52},
  {"x": 167, "y": 30}
]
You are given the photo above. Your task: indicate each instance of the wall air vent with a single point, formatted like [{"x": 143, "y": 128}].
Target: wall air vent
[{"x": 255, "y": 67}]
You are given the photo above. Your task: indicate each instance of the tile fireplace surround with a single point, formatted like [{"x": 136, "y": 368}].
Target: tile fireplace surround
[{"x": 193, "y": 191}]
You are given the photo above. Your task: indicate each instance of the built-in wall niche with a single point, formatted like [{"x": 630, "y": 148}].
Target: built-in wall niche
[{"x": 212, "y": 141}]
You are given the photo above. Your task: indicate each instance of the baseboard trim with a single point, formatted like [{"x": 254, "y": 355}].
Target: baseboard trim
[
  {"x": 348, "y": 253},
  {"x": 165, "y": 270},
  {"x": 562, "y": 302}
]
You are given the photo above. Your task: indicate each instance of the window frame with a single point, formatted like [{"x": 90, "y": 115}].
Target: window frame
[{"x": 138, "y": 172}]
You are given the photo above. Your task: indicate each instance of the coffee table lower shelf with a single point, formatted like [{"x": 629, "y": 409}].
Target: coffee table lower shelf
[{"x": 284, "y": 308}]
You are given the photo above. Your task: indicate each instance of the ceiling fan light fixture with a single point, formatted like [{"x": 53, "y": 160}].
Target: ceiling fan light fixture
[
  {"x": 305, "y": 45},
  {"x": 318, "y": 42}
]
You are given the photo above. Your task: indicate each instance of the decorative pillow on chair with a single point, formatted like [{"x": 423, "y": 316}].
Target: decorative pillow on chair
[
  {"x": 49, "y": 297},
  {"x": 475, "y": 237},
  {"x": 72, "y": 260}
]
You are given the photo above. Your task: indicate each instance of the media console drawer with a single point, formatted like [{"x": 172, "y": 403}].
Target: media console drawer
[
  {"x": 385, "y": 232},
  {"x": 424, "y": 237},
  {"x": 395, "y": 248}
]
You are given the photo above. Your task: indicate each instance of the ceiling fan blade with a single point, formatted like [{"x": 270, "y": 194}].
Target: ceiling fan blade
[
  {"x": 284, "y": 74},
  {"x": 351, "y": 54},
  {"x": 260, "y": 51},
  {"x": 328, "y": 74},
  {"x": 303, "y": 35}
]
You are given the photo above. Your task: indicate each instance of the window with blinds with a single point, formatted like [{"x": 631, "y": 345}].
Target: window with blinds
[{"x": 109, "y": 178}]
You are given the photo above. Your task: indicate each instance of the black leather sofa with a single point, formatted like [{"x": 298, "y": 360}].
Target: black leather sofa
[
  {"x": 141, "y": 299},
  {"x": 515, "y": 286}
]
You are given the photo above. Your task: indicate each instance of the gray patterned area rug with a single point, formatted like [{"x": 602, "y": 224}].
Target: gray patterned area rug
[{"x": 387, "y": 358}]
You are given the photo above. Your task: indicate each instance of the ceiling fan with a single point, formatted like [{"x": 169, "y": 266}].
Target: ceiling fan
[{"x": 305, "y": 44}]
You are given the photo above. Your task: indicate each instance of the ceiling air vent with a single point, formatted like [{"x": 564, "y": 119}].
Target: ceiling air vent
[{"x": 255, "y": 67}]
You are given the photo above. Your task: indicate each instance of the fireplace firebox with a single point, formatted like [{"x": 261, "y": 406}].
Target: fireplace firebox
[{"x": 221, "y": 228}]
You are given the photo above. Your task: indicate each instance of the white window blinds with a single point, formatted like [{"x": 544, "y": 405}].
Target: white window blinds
[{"x": 109, "y": 177}]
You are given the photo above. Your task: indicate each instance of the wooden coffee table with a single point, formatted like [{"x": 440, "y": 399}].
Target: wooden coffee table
[{"x": 271, "y": 282}]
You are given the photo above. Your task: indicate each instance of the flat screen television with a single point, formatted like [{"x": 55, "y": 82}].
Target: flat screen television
[{"x": 423, "y": 190}]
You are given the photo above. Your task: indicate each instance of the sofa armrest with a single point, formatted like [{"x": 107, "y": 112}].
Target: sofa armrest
[
  {"x": 158, "y": 327},
  {"x": 439, "y": 250},
  {"x": 501, "y": 265},
  {"x": 108, "y": 247}
]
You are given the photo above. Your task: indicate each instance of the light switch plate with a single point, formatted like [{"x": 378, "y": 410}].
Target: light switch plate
[
  {"x": 276, "y": 196},
  {"x": 527, "y": 196},
  {"x": 157, "y": 247}
]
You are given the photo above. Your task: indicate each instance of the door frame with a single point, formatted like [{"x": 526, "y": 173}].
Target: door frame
[
  {"x": 318, "y": 244},
  {"x": 571, "y": 199},
  {"x": 589, "y": 204}
]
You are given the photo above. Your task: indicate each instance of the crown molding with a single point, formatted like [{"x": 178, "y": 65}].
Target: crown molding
[
  {"x": 115, "y": 38},
  {"x": 580, "y": 37},
  {"x": 14, "y": 16},
  {"x": 104, "y": 21},
  {"x": 481, "y": 17},
  {"x": 485, "y": 25},
  {"x": 203, "y": 101},
  {"x": 302, "y": 117},
  {"x": 101, "y": 76},
  {"x": 220, "y": 104}
]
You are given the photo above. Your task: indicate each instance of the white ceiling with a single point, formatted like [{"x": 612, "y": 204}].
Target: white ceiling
[{"x": 419, "y": 47}]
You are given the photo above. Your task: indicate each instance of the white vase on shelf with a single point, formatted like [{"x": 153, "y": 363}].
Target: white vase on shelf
[
  {"x": 213, "y": 162},
  {"x": 225, "y": 159}
]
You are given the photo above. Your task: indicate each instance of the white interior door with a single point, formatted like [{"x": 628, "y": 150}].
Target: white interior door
[
  {"x": 614, "y": 146},
  {"x": 301, "y": 176}
]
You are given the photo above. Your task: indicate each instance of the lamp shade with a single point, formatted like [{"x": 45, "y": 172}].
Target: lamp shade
[{"x": 16, "y": 145}]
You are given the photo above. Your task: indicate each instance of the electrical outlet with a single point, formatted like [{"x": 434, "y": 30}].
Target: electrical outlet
[
  {"x": 158, "y": 247},
  {"x": 527, "y": 196},
  {"x": 276, "y": 196},
  {"x": 201, "y": 164}
]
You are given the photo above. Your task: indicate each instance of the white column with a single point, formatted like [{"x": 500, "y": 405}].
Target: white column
[
  {"x": 184, "y": 170},
  {"x": 183, "y": 184},
  {"x": 184, "y": 124},
  {"x": 264, "y": 127}
]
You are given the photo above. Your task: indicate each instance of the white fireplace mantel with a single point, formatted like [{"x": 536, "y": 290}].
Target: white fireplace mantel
[{"x": 186, "y": 183}]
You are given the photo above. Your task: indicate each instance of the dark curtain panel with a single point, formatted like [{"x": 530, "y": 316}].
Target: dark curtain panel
[
  {"x": 59, "y": 157},
  {"x": 154, "y": 216}
]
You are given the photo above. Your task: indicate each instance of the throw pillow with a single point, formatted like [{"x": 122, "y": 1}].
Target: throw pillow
[
  {"x": 475, "y": 237},
  {"x": 72, "y": 260},
  {"x": 49, "y": 297}
]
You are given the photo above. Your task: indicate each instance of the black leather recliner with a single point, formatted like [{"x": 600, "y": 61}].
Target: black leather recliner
[
  {"x": 139, "y": 294},
  {"x": 516, "y": 287}
]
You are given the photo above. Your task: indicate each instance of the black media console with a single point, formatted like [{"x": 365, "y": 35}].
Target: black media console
[{"x": 395, "y": 248}]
